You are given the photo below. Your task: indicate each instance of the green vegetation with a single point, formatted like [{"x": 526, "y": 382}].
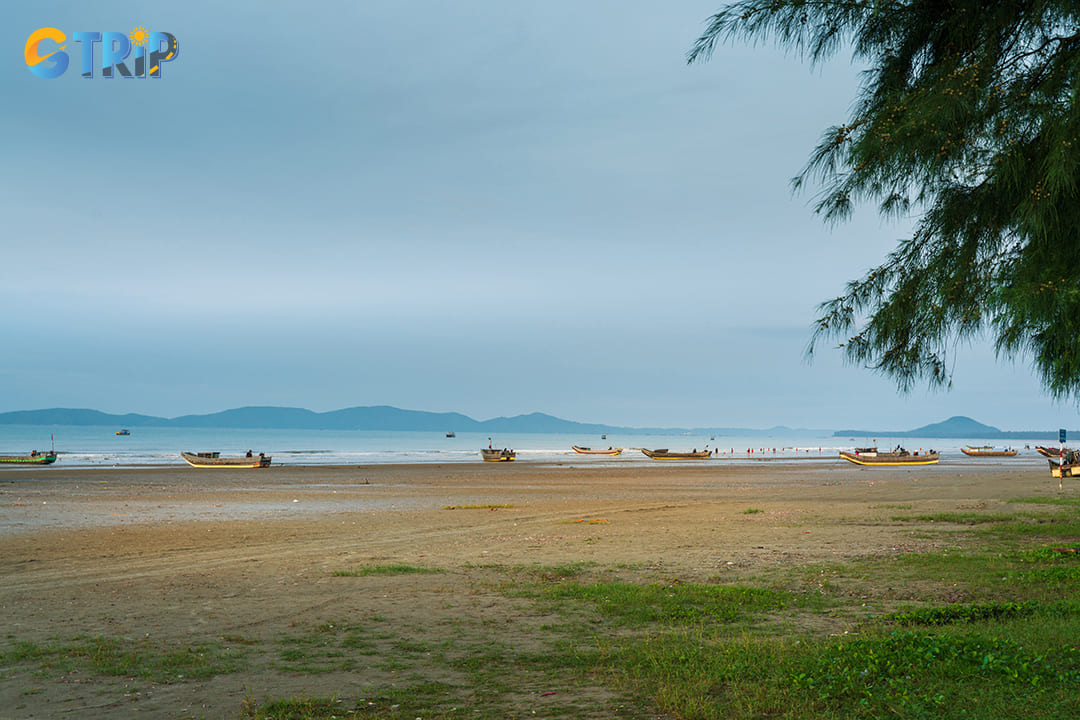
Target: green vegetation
[
  {"x": 983, "y": 628},
  {"x": 967, "y": 120},
  {"x": 390, "y": 569},
  {"x": 127, "y": 657}
]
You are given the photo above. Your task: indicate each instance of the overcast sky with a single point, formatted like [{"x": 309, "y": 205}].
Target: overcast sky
[{"x": 477, "y": 206}]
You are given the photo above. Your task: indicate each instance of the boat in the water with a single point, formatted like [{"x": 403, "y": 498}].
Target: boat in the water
[
  {"x": 34, "y": 458},
  {"x": 124, "y": 431},
  {"x": 665, "y": 454},
  {"x": 493, "y": 455},
  {"x": 987, "y": 451},
  {"x": 900, "y": 456},
  {"x": 214, "y": 460},
  {"x": 451, "y": 434},
  {"x": 589, "y": 451}
]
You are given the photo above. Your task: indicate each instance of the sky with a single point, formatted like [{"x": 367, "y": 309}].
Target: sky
[{"x": 475, "y": 206}]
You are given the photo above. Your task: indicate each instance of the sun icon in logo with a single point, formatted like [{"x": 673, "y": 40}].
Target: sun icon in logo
[{"x": 139, "y": 36}]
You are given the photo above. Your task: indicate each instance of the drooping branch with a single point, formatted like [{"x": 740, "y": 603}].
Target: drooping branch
[{"x": 968, "y": 115}]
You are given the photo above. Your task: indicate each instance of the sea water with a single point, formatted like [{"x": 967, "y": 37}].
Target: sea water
[{"x": 95, "y": 446}]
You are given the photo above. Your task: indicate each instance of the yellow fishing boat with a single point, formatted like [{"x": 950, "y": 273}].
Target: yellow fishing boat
[
  {"x": 493, "y": 455},
  {"x": 589, "y": 451},
  {"x": 665, "y": 454},
  {"x": 214, "y": 460},
  {"x": 899, "y": 457}
]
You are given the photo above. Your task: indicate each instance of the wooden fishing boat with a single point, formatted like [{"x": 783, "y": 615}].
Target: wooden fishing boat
[
  {"x": 1064, "y": 470},
  {"x": 898, "y": 457},
  {"x": 664, "y": 454},
  {"x": 34, "y": 458},
  {"x": 125, "y": 431},
  {"x": 492, "y": 455},
  {"x": 589, "y": 451},
  {"x": 214, "y": 460},
  {"x": 987, "y": 451},
  {"x": 451, "y": 434},
  {"x": 1050, "y": 452}
]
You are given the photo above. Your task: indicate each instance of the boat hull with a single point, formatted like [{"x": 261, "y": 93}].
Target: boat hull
[
  {"x": 201, "y": 461},
  {"x": 589, "y": 451},
  {"x": 1067, "y": 470},
  {"x": 665, "y": 455},
  {"x": 44, "y": 459},
  {"x": 891, "y": 458},
  {"x": 975, "y": 452}
]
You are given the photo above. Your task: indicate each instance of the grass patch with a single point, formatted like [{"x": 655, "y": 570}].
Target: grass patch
[
  {"x": 390, "y": 569},
  {"x": 633, "y": 605},
  {"x": 328, "y": 647},
  {"x": 432, "y": 701},
  {"x": 124, "y": 657},
  {"x": 751, "y": 511},
  {"x": 956, "y": 518},
  {"x": 1071, "y": 502},
  {"x": 963, "y": 613}
]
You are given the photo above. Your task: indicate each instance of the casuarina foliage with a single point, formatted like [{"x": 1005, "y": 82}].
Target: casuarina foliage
[{"x": 967, "y": 119}]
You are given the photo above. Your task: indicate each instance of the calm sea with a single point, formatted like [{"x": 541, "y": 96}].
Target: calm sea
[{"x": 82, "y": 446}]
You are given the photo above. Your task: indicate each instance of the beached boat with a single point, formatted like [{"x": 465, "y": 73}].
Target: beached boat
[
  {"x": 125, "y": 431},
  {"x": 492, "y": 455},
  {"x": 34, "y": 458},
  {"x": 589, "y": 451},
  {"x": 1051, "y": 452},
  {"x": 1064, "y": 470},
  {"x": 214, "y": 460},
  {"x": 987, "y": 451},
  {"x": 665, "y": 454},
  {"x": 898, "y": 457}
]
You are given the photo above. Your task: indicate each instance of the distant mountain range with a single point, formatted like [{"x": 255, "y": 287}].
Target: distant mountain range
[
  {"x": 961, "y": 427},
  {"x": 385, "y": 417},
  {"x": 380, "y": 417}
]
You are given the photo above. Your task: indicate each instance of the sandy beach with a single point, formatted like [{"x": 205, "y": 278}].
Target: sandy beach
[{"x": 178, "y": 553}]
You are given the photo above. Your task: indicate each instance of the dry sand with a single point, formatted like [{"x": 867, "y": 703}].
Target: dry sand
[{"x": 177, "y": 555}]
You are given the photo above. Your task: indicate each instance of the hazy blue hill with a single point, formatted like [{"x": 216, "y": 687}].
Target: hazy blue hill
[
  {"x": 381, "y": 417},
  {"x": 253, "y": 417},
  {"x": 539, "y": 422},
  {"x": 77, "y": 416},
  {"x": 956, "y": 427},
  {"x": 385, "y": 417}
]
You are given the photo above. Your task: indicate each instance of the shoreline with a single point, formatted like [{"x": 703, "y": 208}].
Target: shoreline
[{"x": 54, "y": 497}]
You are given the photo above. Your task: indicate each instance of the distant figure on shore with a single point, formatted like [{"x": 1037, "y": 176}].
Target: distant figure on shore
[{"x": 249, "y": 453}]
